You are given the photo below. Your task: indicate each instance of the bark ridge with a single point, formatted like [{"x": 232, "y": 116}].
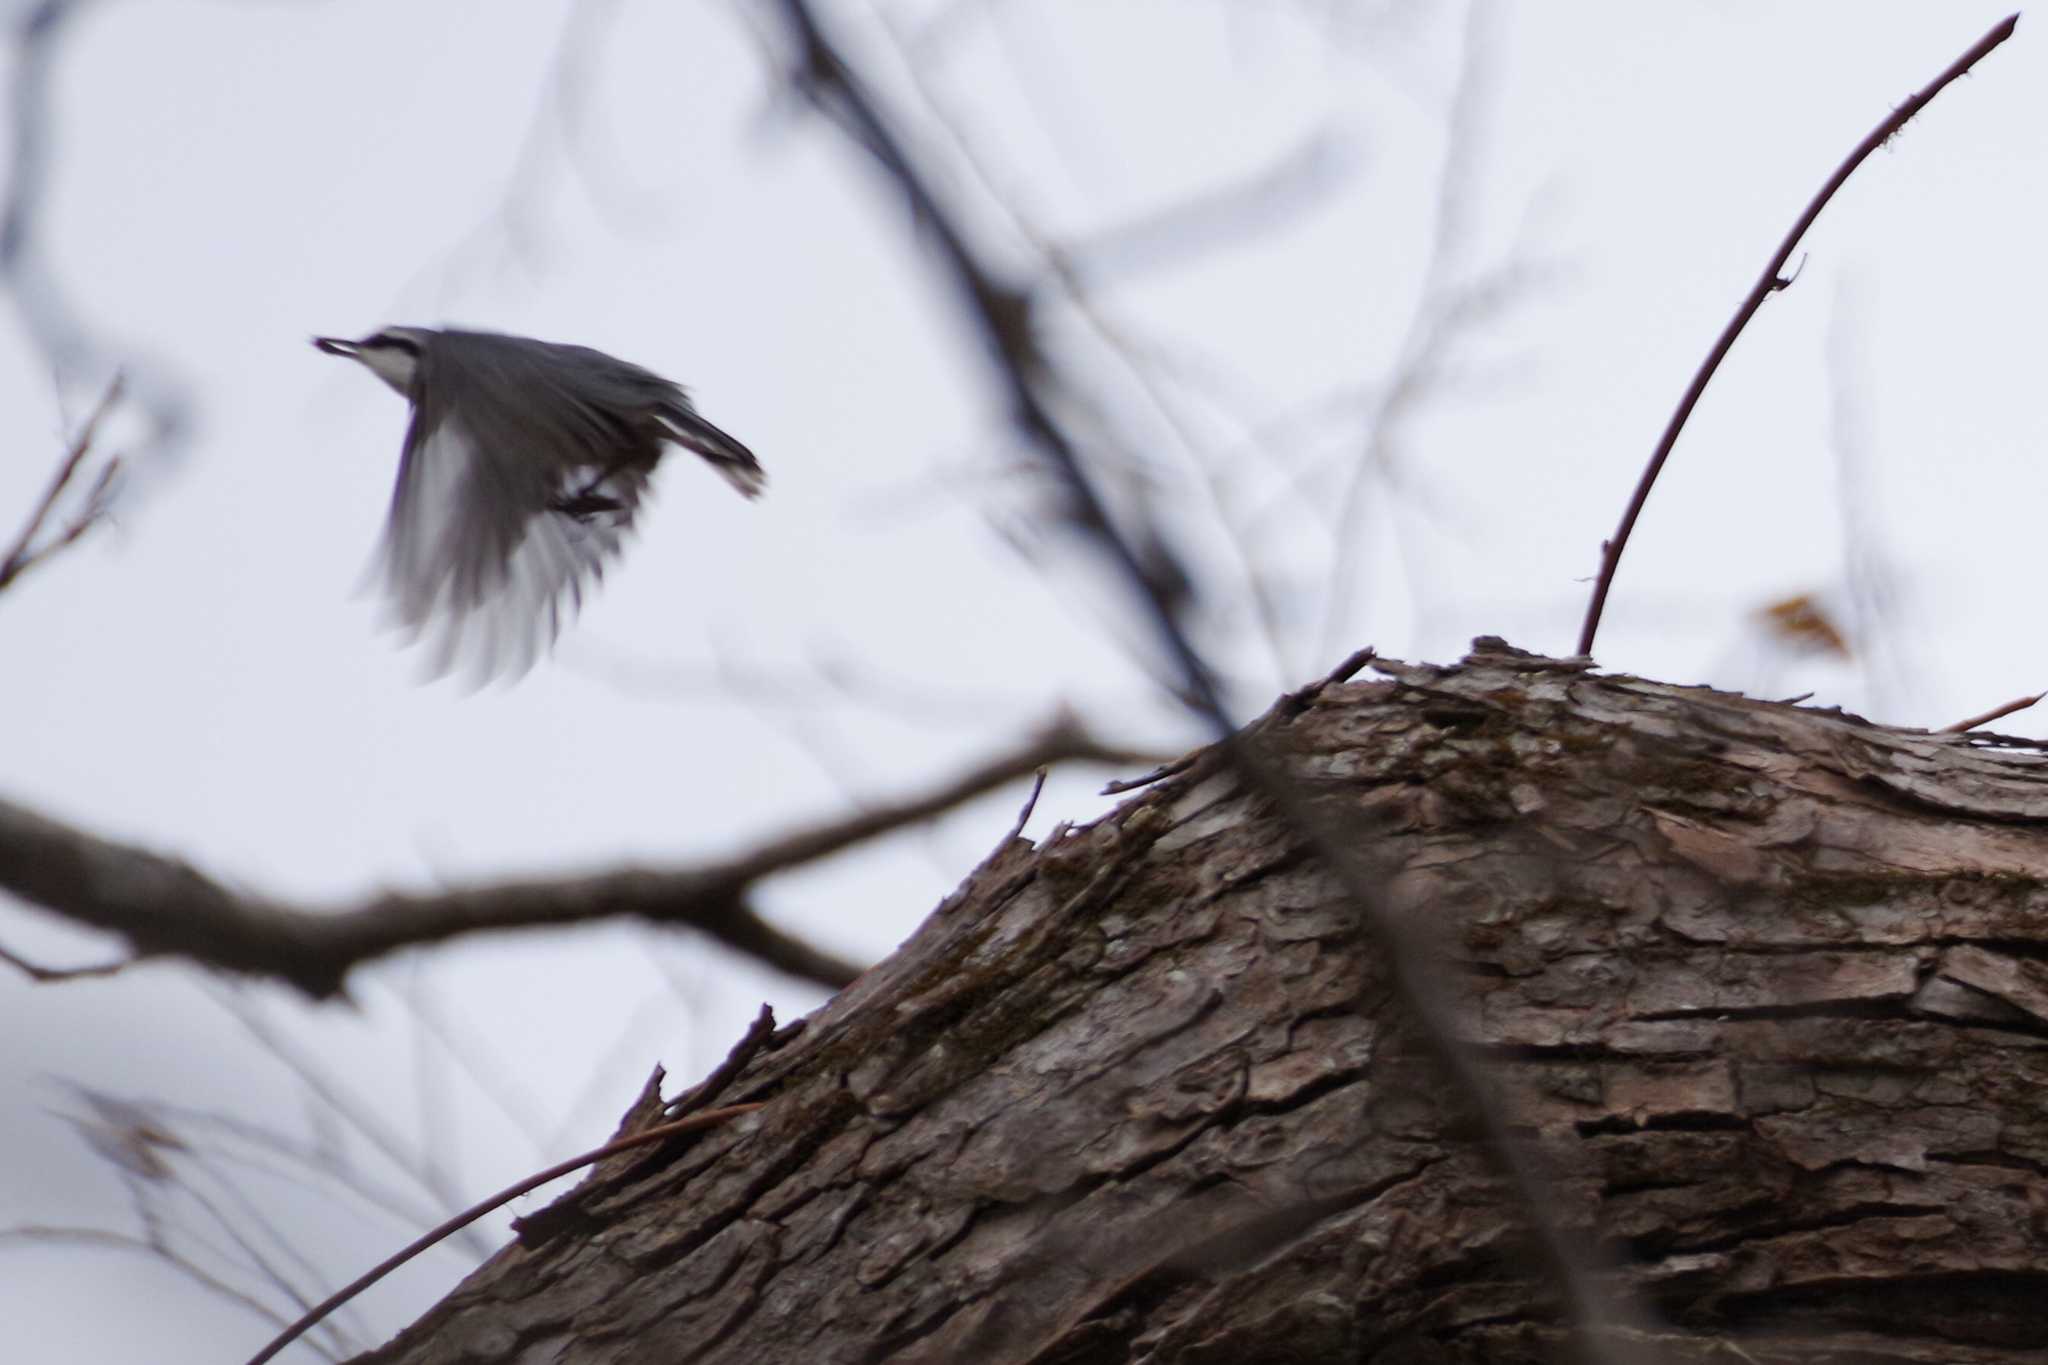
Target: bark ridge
[{"x": 1766, "y": 986}]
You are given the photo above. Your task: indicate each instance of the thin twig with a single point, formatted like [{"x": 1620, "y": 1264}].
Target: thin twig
[
  {"x": 709, "y": 1118},
  {"x": 1062, "y": 742},
  {"x": 273, "y": 1156},
  {"x": 1995, "y": 713},
  {"x": 822, "y": 682},
  {"x": 104, "y": 1239},
  {"x": 25, "y": 553},
  {"x": 32, "y": 280},
  {"x": 1344, "y": 672},
  {"x": 351, "y": 1109},
  {"x": 1431, "y": 330},
  {"x": 1770, "y": 282},
  {"x": 1060, "y": 268},
  {"x": 1158, "y": 774},
  {"x": 36, "y": 972},
  {"x": 1030, "y": 805}
]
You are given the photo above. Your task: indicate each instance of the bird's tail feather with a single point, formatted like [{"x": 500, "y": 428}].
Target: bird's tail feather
[{"x": 732, "y": 460}]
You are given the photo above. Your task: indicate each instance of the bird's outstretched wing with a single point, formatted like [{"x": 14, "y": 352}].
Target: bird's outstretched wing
[
  {"x": 485, "y": 559},
  {"x": 503, "y": 519}
]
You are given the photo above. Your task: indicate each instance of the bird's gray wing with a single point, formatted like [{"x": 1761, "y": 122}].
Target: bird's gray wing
[{"x": 480, "y": 557}]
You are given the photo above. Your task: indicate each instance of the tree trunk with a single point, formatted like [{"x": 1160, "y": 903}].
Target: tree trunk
[{"x": 1762, "y": 987}]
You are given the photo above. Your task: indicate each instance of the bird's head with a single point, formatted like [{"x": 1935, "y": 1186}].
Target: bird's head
[{"x": 393, "y": 354}]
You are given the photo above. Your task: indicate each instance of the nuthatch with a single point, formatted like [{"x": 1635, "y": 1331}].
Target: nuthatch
[{"x": 521, "y": 473}]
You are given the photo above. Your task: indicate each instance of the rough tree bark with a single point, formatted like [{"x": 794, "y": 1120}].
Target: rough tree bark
[{"x": 1765, "y": 986}]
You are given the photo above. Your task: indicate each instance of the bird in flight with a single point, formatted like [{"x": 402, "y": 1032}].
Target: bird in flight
[{"x": 520, "y": 477}]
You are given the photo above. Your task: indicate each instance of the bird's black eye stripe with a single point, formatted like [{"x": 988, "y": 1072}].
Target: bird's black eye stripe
[{"x": 396, "y": 343}]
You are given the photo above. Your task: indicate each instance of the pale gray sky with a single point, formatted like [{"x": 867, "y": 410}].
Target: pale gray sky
[{"x": 229, "y": 179}]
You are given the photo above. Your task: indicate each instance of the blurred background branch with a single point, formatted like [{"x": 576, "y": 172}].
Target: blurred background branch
[
  {"x": 45, "y": 534},
  {"x": 73, "y": 350},
  {"x": 164, "y": 908}
]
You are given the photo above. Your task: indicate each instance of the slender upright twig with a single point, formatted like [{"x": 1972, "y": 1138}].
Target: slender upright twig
[{"x": 1770, "y": 282}]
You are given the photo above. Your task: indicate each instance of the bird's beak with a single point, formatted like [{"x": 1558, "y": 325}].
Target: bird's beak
[{"x": 336, "y": 346}]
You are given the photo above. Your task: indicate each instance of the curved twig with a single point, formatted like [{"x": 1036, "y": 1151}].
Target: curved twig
[
  {"x": 311, "y": 1317},
  {"x": 1770, "y": 282}
]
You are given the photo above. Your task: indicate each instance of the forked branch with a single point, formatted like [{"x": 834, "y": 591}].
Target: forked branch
[
  {"x": 32, "y": 545},
  {"x": 165, "y": 908}
]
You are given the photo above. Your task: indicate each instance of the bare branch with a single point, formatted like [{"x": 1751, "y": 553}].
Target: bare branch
[
  {"x": 42, "y": 1235},
  {"x": 827, "y": 679},
  {"x": 26, "y": 553},
  {"x": 39, "y": 973},
  {"x": 512, "y": 231},
  {"x": 1444, "y": 314},
  {"x": 1770, "y": 282},
  {"x": 1241, "y": 209},
  {"x": 1030, "y": 805},
  {"x": 709, "y": 1118},
  {"x": 1070, "y": 270},
  {"x": 32, "y": 280},
  {"x": 348, "y": 1109},
  {"x": 164, "y": 907},
  {"x": 1995, "y": 713},
  {"x": 1158, "y": 774}
]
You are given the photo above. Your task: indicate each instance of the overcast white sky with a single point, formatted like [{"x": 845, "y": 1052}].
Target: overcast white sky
[{"x": 229, "y": 179}]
